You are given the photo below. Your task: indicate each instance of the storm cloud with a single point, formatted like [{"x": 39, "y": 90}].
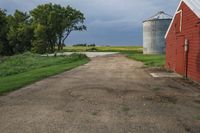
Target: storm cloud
[{"x": 109, "y": 22}]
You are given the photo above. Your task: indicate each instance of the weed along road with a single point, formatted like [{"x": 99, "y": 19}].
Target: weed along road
[{"x": 110, "y": 94}]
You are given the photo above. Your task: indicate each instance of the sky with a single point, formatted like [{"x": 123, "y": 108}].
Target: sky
[{"x": 109, "y": 22}]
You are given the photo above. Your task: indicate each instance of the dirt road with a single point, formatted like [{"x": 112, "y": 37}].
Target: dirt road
[{"x": 108, "y": 95}]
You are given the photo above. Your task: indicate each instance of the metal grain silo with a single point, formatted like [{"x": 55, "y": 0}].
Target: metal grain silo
[{"x": 154, "y": 30}]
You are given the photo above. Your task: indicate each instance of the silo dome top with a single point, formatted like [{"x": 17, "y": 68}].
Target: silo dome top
[{"x": 160, "y": 15}]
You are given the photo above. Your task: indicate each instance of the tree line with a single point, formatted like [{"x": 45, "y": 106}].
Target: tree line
[
  {"x": 84, "y": 45},
  {"x": 42, "y": 30}
]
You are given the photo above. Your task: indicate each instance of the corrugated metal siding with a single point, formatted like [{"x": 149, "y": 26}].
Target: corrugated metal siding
[{"x": 191, "y": 31}]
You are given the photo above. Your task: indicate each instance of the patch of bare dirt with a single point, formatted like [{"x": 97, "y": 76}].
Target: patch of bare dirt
[{"x": 163, "y": 98}]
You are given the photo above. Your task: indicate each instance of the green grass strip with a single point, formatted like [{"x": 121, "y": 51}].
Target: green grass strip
[
  {"x": 17, "y": 81},
  {"x": 148, "y": 60}
]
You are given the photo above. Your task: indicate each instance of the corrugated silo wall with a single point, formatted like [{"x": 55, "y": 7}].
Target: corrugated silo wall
[{"x": 153, "y": 36}]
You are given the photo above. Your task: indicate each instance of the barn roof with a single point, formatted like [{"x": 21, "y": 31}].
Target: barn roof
[{"x": 194, "y": 5}]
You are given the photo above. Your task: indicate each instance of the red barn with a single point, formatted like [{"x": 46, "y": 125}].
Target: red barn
[{"x": 183, "y": 40}]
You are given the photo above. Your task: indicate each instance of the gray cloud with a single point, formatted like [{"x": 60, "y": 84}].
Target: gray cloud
[{"x": 110, "y": 22}]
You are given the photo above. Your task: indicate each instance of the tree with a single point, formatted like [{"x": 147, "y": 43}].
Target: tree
[
  {"x": 4, "y": 47},
  {"x": 40, "y": 44},
  {"x": 20, "y": 32},
  {"x": 45, "y": 16},
  {"x": 73, "y": 20},
  {"x": 45, "y": 27},
  {"x": 59, "y": 22}
]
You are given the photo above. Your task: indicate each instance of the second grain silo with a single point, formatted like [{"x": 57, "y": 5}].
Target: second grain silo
[{"x": 154, "y": 30}]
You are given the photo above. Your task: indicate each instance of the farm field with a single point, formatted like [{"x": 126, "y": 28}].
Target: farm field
[
  {"x": 102, "y": 48},
  {"x": 20, "y": 70},
  {"x": 132, "y": 52}
]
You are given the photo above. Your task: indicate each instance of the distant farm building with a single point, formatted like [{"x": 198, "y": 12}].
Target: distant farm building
[
  {"x": 154, "y": 30},
  {"x": 183, "y": 40}
]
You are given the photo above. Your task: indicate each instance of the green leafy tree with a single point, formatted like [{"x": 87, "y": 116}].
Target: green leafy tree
[
  {"x": 73, "y": 20},
  {"x": 4, "y": 46},
  {"x": 59, "y": 22},
  {"x": 45, "y": 16},
  {"x": 48, "y": 26},
  {"x": 20, "y": 32},
  {"x": 40, "y": 43}
]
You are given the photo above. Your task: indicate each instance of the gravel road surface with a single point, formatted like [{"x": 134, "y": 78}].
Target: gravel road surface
[{"x": 110, "y": 94}]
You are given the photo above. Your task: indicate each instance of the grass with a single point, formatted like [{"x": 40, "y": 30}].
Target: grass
[
  {"x": 94, "y": 113},
  {"x": 156, "y": 88},
  {"x": 21, "y": 70},
  {"x": 119, "y": 48},
  {"x": 103, "y": 48},
  {"x": 125, "y": 109},
  {"x": 148, "y": 60},
  {"x": 75, "y": 49},
  {"x": 197, "y": 117},
  {"x": 25, "y": 62}
]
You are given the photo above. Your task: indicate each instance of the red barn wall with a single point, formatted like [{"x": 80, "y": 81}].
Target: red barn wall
[{"x": 191, "y": 31}]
